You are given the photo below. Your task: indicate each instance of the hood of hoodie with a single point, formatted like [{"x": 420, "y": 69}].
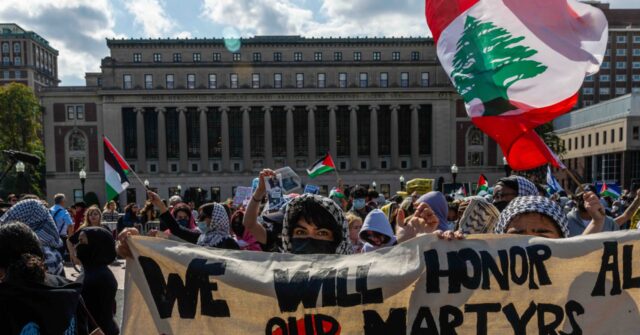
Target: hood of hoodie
[
  {"x": 438, "y": 204},
  {"x": 377, "y": 221},
  {"x": 100, "y": 249},
  {"x": 51, "y": 306}
]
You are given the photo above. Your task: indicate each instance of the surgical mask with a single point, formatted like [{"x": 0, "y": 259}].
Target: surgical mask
[
  {"x": 203, "y": 226},
  {"x": 305, "y": 246},
  {"x": 358, "y": 203},
  {"x": 183, "y": 222},
  {"x": 501, "y": 205}
]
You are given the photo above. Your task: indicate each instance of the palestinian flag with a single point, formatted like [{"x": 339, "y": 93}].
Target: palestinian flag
[
  {"x": 483, "y": 184},
  {"x": 323, "y": 165},
  {"x": 116, "y": 170},
  {"x": 607, "y": 191},
  {"x": 518, "y": 64}
]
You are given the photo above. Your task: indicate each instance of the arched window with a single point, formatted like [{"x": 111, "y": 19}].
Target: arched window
[
  {"x": 77, "y": 151},
  {"x": 5, "y": 47},
  {"x": 475, "y": 147},
  {"x": 16, "y": 47}
]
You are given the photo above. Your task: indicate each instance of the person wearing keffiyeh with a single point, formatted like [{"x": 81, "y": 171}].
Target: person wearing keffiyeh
[
  {"x": 533, "y": 215},
  {"x": 35, "y": 215},
  {"x": 508, "y": 188}
]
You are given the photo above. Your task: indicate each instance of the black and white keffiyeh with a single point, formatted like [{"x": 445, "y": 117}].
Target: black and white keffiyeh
[
  {"x": 526, "y": 187},
  {"x": 532, "y": 204},
  {"x": 344, "y": 248},
  {"x": 480, "y": 216},
  {"x": 35, "y": 215},
  {"x": 218, "y": 230}
]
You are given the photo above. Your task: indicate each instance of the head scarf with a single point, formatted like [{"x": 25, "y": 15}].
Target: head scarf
[
  {"x": 533, "y": 204},
  {"x": 520, "y": 184},
  {"x": 33, "y": 213},
  {"x": 101, "y": 247},
  {"x": 344, "y": 247},
  {"x": 219, "y": 228},
  {"x": 480, "y": 216},
  {"x": 438, "y": 204}
]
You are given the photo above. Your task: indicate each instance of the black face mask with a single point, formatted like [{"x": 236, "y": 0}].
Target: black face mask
[
  {"x": 305, "y": 246},
  {"x": 501, "y": 205}
]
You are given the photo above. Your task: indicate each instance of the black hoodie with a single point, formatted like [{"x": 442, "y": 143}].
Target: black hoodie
[{"x": 51, "y": 307}]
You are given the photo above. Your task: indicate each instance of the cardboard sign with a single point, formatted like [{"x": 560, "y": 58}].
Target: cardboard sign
[
  {"x": 242, "y": 194},
  {"x": 311, "y": 189},
  {"x": 420, "y": 185}
]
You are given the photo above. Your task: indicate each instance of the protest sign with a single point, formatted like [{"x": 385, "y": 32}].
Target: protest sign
[
  {"x": 311, "y": 189},
  {"x": 420, "y": 185},
  {"x": 487, "y": 284},
  {"x": 242, "y": 194}
]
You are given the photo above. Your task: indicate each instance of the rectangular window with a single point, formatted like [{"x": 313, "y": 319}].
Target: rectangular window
[
  {"x": 613, "y": 135},
  {"x": 604, "y": 78},
  {"x": 337, "y": 56},
  {"x": 621, "y": 52},
  {"x": 17, "y": 61},
  {"x": 217, "y": 57},
  {"x": 377, "y": 55},
  {"x": 636, "y": 133},
  {"x": 604, "y": 90},
  {"x": 322, "y": 80},
  {"x": 197, "y": 57},
  {"x": 277, "y": 56},
  {"x": 621, "y": 65},
  {"x": 6, "y": 60},
  {"x": 636, "y": 77},
  {"x": 299, "y": 80},
  {"x": 357, "y": 56},
  {"x": 255, "y": 80},
  {"x": 71, "y": 113},
  {"x": 297, "y": 56},
  {"x": 621, "y": 90},
  {"x": 620, "y": 134},
  {"x": 342, "y": 79},
  {"x": 395, "y": 55},
  {"x": 582, "y": 142},
  {"x": 80, "y": 112},
  {"x": 148, "y": 81},
  {"x": 213, "y": 80},
  {"x": 404, "y": 79},
  {"x": 137, "y": 57},
  {"x": 157, "y": 57},
  {"x": 605, "y": 65},
  {"x": 604, "y": 137},
  {"x": 588, "y": 78},
  {"x": 170, "y": 81},
  {"x": 191, "y": 81},
  {"x": 621, "y": 39},
  {"x": 415, "y": 55},
  {"x": 317, "y": 56},
  {"x": 636, "y": 52},
  {"x": 635, "y": 65},
  {"x": 597, "y": 139},
  {"x": 236, "y": 57},
  {"x": 621, "y": 77},
  {"x": 177, "y": 57},
  {"x": 587, "y": 90},
  {"x": 364, "y": 79},
  {"x": 277, "y": 80},
  {"x": 636, "y": 39},
  {"x": 257, "y": 57},
  {"x": 424, "y": 79},
  {"x": 128, "y": 82},
  {"x": 384, "y": 79},
  {"x": 234, "y": 80},
  {"x": 589, "y": 141}
]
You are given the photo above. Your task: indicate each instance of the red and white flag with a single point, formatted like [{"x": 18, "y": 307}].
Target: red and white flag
[{"x": 518, "y": 64}]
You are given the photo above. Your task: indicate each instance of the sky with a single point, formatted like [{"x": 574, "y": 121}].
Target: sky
[{"x": 78, "y": 28}]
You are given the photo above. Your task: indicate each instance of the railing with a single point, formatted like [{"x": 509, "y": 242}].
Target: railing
[{"x": 144, "y": 228}]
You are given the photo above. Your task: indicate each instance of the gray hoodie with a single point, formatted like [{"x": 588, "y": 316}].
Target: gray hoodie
[
  {"x": 577, "y": 226},
  {"x": 377, "y": 221}
]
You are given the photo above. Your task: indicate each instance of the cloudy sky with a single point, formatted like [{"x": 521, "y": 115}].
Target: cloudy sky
[{"x": 78, "y": 28}]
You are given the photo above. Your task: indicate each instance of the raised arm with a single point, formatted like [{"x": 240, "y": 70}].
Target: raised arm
[
  {"x": 594, "y": 208},
  {"x": 626, "y": 216},
  {"x": 253, "y": 209},
  {"x": 167, "y": 221}
]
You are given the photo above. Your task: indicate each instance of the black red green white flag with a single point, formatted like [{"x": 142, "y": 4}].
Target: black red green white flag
[{"x": 116, "y": 170}]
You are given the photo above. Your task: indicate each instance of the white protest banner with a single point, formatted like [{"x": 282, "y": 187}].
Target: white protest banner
[
  {"x": 242, "y": 194},
  {"x": 487, "y": 284}
]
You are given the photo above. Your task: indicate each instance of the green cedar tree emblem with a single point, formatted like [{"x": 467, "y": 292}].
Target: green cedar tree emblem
[{"x": 488, "y": 61}]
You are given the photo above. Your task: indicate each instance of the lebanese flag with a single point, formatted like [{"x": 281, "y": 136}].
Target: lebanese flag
[
  {"x": 323, "y": 165},
  {"x": 518, "y": 64}
]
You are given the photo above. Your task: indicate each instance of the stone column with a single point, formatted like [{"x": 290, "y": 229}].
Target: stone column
[
  {"x": 333, "y": 131},
  {"x": 311, "y": 129},
  {"x": 395, "y": 153},
  {"x": 375, "y": 163},
  {"x": 204, "y": 140},
  {"x": 162, "y": 140},
  {"x": 182, "y": 126},
  {"x": 268, "y": 137},
  {"x": 415, "y": 138},
  {"x": 224, "y": 125},
  {"x": 290, "y": 147},
  {"x": 353, "y": 137},
  {"x": 246, "y": 139},
  {"x": 141, "y": 143}
]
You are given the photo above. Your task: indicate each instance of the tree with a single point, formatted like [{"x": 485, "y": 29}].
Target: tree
[
  {"x": 487, "y": 62},
  {"x": 20, "y": 119}
]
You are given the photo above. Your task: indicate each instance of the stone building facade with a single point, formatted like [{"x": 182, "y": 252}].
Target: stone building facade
[{"x": 208, "y": 114}]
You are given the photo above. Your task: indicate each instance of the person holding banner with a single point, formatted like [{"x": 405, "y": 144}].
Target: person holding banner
[
  {"x": 477, "y": 216},
  {"x": 376, "y": 232},
  {"x": 506, "y": 189},
  {"x": 533, "y": 215},
  {"x": 430, "y": 215}
]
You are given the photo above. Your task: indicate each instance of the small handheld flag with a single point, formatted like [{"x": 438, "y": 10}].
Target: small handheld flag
[
  {"x": 608, "y": 191},
  {"x": 483, "y": 184},
  {"x": 552, "y": 183},
  {"x": 116, "y": 170},
  {"x": 323, "y": 165}
]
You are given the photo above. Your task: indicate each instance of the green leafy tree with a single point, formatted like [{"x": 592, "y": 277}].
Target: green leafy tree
[
  {"x": 20, "y": 119},
  {"x": 488, "y": 61}
]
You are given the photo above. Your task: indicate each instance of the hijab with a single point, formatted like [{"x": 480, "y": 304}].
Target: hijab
[
  {"x": 218, "y": 229},
  {"x": 100, "y": 250}
]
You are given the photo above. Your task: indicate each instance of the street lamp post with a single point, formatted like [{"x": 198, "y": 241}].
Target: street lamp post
[
  {"x": 179, "y": 189},
  {"x": 83, "y": 177},
  {"x": 374, "y": 185},
  {"x": 507, "y": 168},
  {"x": 146, "y": 184},
  {"x": 401, "y": 183},
  {"x": 454, "y": 173},
  {"x": 20, "y": 171}
]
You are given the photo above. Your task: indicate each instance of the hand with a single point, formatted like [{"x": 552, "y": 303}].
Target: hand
[
  {"x": 262, "y": 187},
  {"x": 153, "y": 233},
  {"x": 400, "y": 217},
  {"x": 449, "y": 235},
  {"x": 155, "y": 199},
  {"x": 429, "y": 218},
  {"x": 75, "y": 260},
  {"x": 122, "y": 247},
  {"x": 594, "y": 207}
]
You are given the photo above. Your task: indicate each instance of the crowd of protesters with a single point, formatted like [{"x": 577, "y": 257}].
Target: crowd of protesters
[{"x": 37, "y": 238}]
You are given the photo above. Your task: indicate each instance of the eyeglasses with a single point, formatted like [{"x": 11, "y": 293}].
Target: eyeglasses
[{"x": 501, "y": 195}]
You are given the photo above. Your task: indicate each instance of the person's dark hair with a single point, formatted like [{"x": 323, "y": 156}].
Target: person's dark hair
[
  {"x": 16, "y": 239},
  {"x": 541, "y": 190},
  {"x": 29, "y": 196},
  {"x": 449, "y": 198},
  {"x": 373, "y": 194},
  {"x": 148, "y": 208},
  {"x": 28, "y": 268},
  {"x": 80, "y": 204},
  {"x": 454, "y": 206},
  {"x": 227, "y": 208},
  {"x": 359, "y": 192},
  {"x": 182, "y": 207},
  {"x": 509, "y": 182},
  {"x": 236, "y": 223},
  {"x": 206, "y": 211},
  {"x": 313, "y": 212},
  {"x": 129, "y": 208}
]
